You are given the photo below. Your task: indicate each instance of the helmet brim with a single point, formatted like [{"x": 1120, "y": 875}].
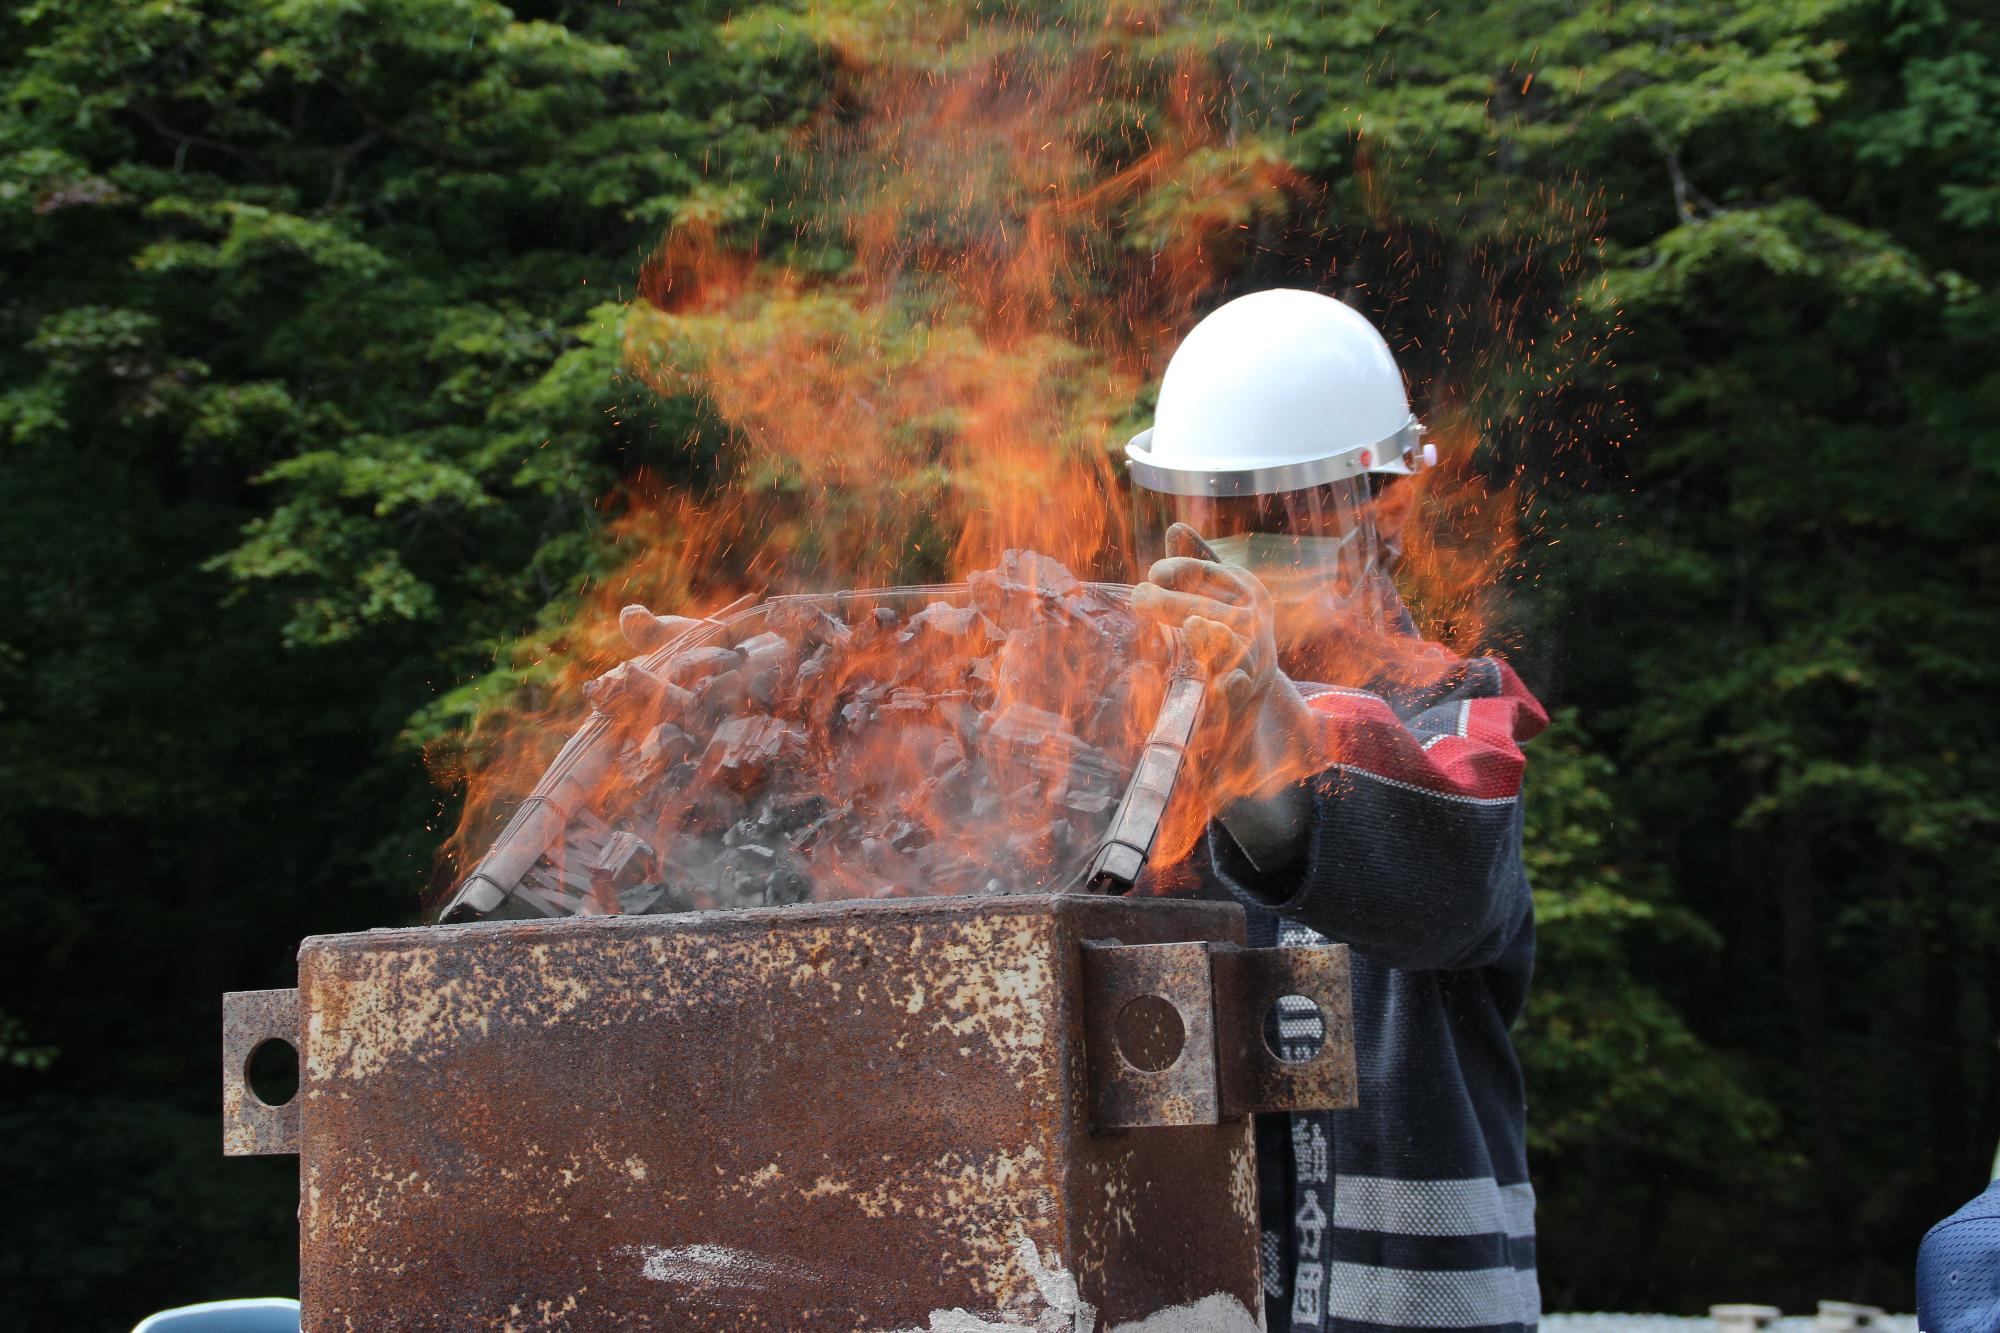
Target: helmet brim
[{"x": 1390, "y": 455}]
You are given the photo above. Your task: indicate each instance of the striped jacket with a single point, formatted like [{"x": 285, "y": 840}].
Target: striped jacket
[{"x": 1412, "y": 1210}]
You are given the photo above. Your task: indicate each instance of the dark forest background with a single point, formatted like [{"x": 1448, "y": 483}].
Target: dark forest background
[{"x": 310, "y": 385}]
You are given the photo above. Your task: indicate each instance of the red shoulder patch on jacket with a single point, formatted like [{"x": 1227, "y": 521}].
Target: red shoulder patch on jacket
[{"x": 1469, "y": 747}]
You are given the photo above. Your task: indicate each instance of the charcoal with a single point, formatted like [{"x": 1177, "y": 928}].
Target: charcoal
[
  {"x": 862, "y": 708},
  {"x": 628, "y": 689},
  {"x": 642, "y": 898},
  {"x": 622, "y": 851},
  {"x": 1026, "y": 741},
  {"x": 1131, "y": 701},
  {"x": 1088, "y": 764},
  {"x": 792, "y": 816},
  {"x": 765, "y": 652},
  {"x": 1088, "y": 800},
  {"x": 963, "y": 717},
  {"x": 1024, "y": 589},
  {"x": 690, "y": 668},
  {"x": 1040, "y": 665},
  {"x": 869, "y": 745},
  {"x": 723, "y": 694},
  {"x": 766, "y": 658},
  {"x": 665, "y": 746},
  {"x": 785, "y": 885},
  {"x": 713, "y": 806},
  {"x": 682, "y": 896},
  {"x": 942, "y": 627},
  {"x": 952, "y": 872},
  {"x": 1024, "y": 849},
  {"x": 1024, "y": 727},
  {"x": 744, "y": 749},
  {"x": 803, "y": 838}
]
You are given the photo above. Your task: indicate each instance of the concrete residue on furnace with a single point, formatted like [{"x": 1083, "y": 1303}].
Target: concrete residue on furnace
[
  {"x": 719, "y": 1272},
  {"x": 1063, "y": 1309}
]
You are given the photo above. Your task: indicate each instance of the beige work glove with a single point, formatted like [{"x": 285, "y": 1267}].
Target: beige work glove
[{"x": 1262, "y": 737}]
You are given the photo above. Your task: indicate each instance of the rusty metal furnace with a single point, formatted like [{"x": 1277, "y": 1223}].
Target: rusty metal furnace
[{"x": 927, "y": 1114}]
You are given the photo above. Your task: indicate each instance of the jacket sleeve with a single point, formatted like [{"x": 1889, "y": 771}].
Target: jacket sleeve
[
  {"x": 1958, "y": 1269},
  {"x": 1414, "y": 853}
]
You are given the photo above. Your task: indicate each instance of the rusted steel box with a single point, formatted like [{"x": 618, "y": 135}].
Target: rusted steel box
[{"x": 873, "y": 1116}]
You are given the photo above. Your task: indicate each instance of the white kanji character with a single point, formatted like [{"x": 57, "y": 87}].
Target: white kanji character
[
  {"x": 1305, "y": 1294},
  {"x": 1310, "y": 1223},
  {"x": 1309, "y": 1151}
]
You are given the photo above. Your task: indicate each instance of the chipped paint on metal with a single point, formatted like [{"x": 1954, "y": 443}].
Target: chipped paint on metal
[
  {"x": 395, "y": 1004},
  {"x": 1062, "y": 1309},
  {"x": 705, "y": 1271},
  {"x": 1055, "y": 1307},
  {"x": 1243, "y": 1188}
]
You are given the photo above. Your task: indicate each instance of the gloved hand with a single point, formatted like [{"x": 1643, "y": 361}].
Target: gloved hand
[{"x": 1263, "y": 734}]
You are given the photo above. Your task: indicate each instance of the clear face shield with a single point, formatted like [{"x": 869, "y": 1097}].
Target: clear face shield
[{"x": 1315, "y": 548}]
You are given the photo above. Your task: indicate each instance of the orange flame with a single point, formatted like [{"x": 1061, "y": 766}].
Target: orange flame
[{"x": 958, "y": 389}]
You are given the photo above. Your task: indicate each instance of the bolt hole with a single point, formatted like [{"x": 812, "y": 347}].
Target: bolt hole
[
  {"x": 272, "y": 1071},
  {"x": 1150, "y": 1033},
  {"x": 1294, "y": 1029}
]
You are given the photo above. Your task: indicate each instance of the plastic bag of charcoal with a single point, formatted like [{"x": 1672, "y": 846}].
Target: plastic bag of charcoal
[{"x": 980, "y": 737}]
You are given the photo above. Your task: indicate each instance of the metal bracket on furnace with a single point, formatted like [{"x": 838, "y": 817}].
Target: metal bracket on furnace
[
  {"x": 251, "y": 1127},
  {"x": 1225, "y": 1000}
]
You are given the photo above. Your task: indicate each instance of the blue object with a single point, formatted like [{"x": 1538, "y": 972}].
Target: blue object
[
  {"x": 264, "y": 1315},
  {"x": 1958, "y": 1269}
]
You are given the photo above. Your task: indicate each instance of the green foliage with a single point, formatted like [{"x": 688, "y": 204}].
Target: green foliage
[
  {"x": 15, "y": 1049},
  {"x": 314, "y": 374},
  {"x": 1623, "y": 1094},
  {"x": 309, "y": 386},
  {"x": 1616, "y": 1066}
]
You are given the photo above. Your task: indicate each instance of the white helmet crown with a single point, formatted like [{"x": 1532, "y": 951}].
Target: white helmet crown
[{"x": 1277, "y": 391}]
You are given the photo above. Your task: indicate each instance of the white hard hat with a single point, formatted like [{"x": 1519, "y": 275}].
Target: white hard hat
[{"x": 1277, "y": 391}]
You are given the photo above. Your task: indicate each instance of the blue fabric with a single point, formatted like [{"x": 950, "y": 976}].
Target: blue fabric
[
  {"x": 1412, "y": 1210},
  {"x": 1958, "y": 1270}
]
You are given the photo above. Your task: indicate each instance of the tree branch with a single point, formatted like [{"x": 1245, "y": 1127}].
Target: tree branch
[{"x": 1686, "y": 197}]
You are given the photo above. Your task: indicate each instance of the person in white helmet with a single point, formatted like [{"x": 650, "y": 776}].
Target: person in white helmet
[{"x": 1382, "y": 812}]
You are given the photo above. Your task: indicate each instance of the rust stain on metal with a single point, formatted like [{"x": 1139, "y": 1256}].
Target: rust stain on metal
[
  {"x": 1126, "y": 1094},
  {"x": 1248, "y": 983},
  {"x": 250, "y": 1128},
  {"x": 1222, "y": 996},
  {"x": 841, "y": 1116}
]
